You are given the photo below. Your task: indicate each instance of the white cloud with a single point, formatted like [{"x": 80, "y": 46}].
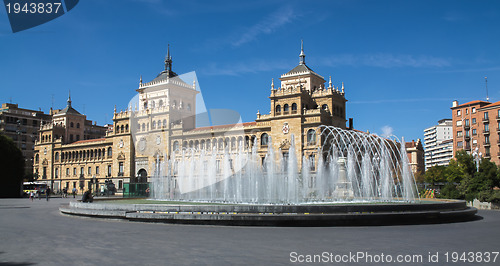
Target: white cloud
[
  {"x": 387, "y": 131},
  {"x": 266, "y": 26}
]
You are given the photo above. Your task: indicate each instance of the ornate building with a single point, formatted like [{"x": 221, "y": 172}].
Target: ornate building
[{"x": 72, "y": 152}]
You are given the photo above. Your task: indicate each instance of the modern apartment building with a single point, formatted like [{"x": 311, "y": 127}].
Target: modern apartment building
[{"x": 438, "y": 143}]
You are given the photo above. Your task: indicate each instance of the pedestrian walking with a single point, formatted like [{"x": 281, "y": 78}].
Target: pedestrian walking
[
  {"x": 32, "y": 195},
  {"x": 47, "y": 193},
  {"x": 74, "y": 192}
]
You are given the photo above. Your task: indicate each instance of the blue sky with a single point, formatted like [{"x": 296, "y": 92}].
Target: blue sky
[{"x": 402, "y": 62}]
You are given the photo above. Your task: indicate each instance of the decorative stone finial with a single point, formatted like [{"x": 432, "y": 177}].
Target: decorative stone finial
[
  {"x": 140, "y": 80},
  {"x": 272, "y": 83},
  {"x": 330, "y": 83},
  {"x": 342, "y": 87},
  {"x": 194, "y": 84}
]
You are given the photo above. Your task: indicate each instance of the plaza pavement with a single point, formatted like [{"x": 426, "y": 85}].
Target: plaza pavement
[{"x": 36, "y": 233}]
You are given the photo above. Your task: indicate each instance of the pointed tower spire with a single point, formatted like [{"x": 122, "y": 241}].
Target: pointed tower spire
[
  {"x": 69, "y": 98},
  {"x": 302, "y": 55},
  {"x": 330, "y": 83},
  {"x": 168, "y": 61}
]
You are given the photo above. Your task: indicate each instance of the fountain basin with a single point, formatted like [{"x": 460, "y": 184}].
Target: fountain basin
[{"x": 341, "y": 214}]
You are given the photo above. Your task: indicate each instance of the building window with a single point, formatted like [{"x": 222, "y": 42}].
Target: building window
[
  {"x": 44, "y": 173},
  {"x": 486, "y": 139},
  {"x": 71, "y": 124},
  {"x": 120, "y": 169},
  {"x": 466, "y": 122},
  {"x": 324, "y": 107},
  {"x": 97, "y": 170},
  {"x": 467, "y": 133},
  {"x": 264, "y": 139},
  {"x": 311, "y": 137},
  {"x": 286, "y": 108},
  {"x": 81, "y": 171},
  {"x": 176, "y": 145},
  {"x": 312, "y": 162},
  {"x": 459, "y": 123},
  {"x": 89, "y": 171},
  {"x": 473, "y": 110},
  {"x": 77, "y": 125},
  {"x": 109, "y": 170},
  {"x": 74, "y": 171},
  {"x": 459, "y": 133},
  {"x": 460, "y": 144},
  {"x": 67, "y": 171},
  {"x": 485, "y": 115},
  {"x": 294, "y": 107},
  {"x": 459, "y": 112},
  {"x": 473, "y": 120},
  {"x": 278, "y": 108},
  {"x": 466, "y": 111},
  {"x": 153, "y": 126},
  {"x": 474, "y": 132},
  {"x": 57, "y": 173},
  {"x": 110, "y": 152},
  {"x": 120, "y": 184}
]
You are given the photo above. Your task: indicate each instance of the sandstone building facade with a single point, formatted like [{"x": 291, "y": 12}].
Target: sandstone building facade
[{"x": 73, "y": 152}]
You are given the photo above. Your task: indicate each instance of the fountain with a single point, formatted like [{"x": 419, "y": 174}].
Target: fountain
[{"x": 352, "y": 167}]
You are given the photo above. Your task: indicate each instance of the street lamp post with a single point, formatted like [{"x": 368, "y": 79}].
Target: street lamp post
[{"x": 477, "y": 156}]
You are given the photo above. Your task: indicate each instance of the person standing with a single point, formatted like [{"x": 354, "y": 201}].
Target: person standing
[
  {"x": 47, "y": 193},
  {"x": 74, "y": 192}
]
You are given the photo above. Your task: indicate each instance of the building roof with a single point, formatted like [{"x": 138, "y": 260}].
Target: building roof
[
  {"x": 472, "y": 103},
  {"x": 491, "y": 105},
  {"x": 246, "y": 124},
  {"x": 88, "y": 141}
]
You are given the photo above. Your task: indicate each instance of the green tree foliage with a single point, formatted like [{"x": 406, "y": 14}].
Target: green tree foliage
[
  {"x": 12, "y": 165},
  {"x": 435, "y": 174},
  {"x": 480, "y": 185}
]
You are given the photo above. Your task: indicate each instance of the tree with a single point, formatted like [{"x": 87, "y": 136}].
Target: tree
[
  {"x": 12, "y": 165},
  {"x": 435, "y": 174},
  {"x": 480, "y": 185}
]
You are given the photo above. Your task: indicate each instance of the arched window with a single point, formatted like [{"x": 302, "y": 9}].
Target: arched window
[
  {"x": 324, "y": 107},
  {"x": 121, "y": 129},
  {"x": 208, "y": 144},
  {"x": 77, "y": 125},
  {"x": 159, "y": 123},
  {"x": 286, "y": 108},
  {"x": 153, "y": 104},
  {"x": 37, "y": 158},
  {"x": 294, "y": 107},
  {"x": 311, "y": 137},
  {"x": 278, "y": 109},
  {"x": 56, "y": 156},
  {"x": 160, "y": 103},
  {"x": 71, "y": 124},
  {"x": 153, "y": 126},
  {"x": 143, "y": 127},
  {"x": 164, "y": 122},
  {"x": 176, "y": 145},
  {"x": 110, "y": 152},
  {"x": 221, "y": 144},
  {"x": 126, "y": 128},
  {"x": 145, "y": 105},
  {"x": 264, "y": 139}
]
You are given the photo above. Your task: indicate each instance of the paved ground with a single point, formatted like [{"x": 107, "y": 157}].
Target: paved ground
[{"x": 35, "y": 233}]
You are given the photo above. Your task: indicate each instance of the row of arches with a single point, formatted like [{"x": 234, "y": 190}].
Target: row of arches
[
  {"x": 90, "y": 154},
  {"x": 159, "y": 124},
  {"x": 220, "y": 143},
  {"x": 286, "y": 108},
  {"x": 234, "y": 143},
  {"x": 121, "y": 129}
]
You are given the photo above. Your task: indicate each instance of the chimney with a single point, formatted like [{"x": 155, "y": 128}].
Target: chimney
[
  {"x": 454, "y": 104},
  {"x": 351, "y": 126}
]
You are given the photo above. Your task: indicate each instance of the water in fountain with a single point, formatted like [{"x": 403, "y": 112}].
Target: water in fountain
[{"x": 351, "y": 166}]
